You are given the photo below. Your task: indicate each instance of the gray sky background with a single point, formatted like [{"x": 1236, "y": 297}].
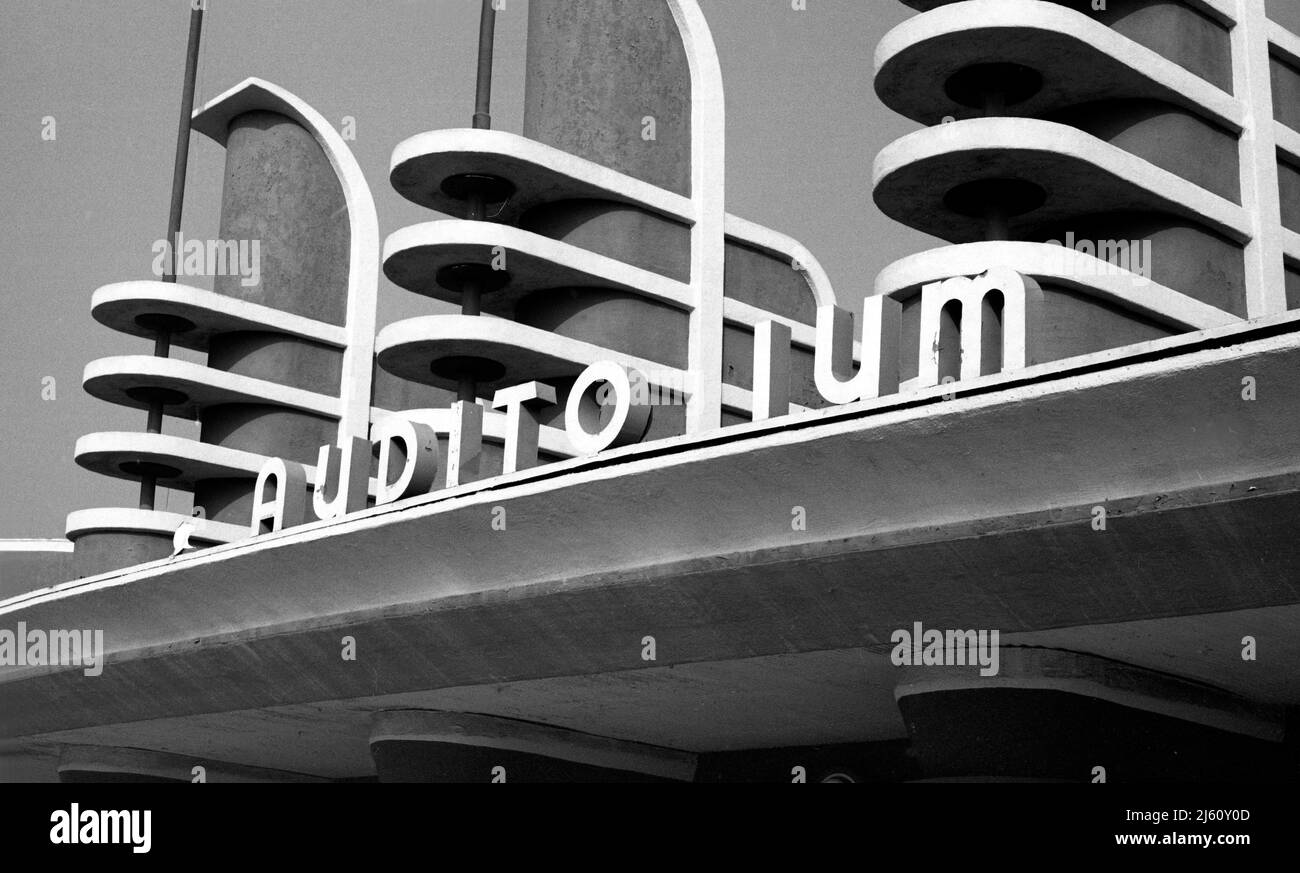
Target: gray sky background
[{"x": 804, "y": 125}]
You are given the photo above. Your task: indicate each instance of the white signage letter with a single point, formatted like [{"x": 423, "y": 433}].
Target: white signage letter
[
  {"x": 627, "y": 422},
  {"x": 882, "y": 320},
  {"x": 348, "y": 472},
  {"x": 289, "y": 506},
  {"x": 420, "y": 450},
  {"x": 521, "y": 404}
]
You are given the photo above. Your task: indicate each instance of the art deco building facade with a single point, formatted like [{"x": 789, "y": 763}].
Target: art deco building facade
[{"x": 1072, "y": 425}]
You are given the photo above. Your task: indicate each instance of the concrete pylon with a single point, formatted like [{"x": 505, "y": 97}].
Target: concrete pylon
[
  {"x": 609, "y": 81},
  {"x": 281, "y": 190}
]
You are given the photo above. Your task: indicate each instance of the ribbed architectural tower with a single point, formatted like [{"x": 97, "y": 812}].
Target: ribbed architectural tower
[
  {"x": 289, "y": 344},
  {"x": 813, "y": 574},
  {"x": 1101, "y": 178},
  {"x": 600, "y": 235},
  {"x": 603, "y": 234},
  {"x": 1130, "y": 161}
]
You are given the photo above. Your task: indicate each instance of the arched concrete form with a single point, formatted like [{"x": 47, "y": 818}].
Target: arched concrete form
[
  {"x": 257, "y": 95},
  {"x": 1060, "y": 715},
  {"x": 1068, "y": 58},
  {"x": 93, "y": 764},
  {"x": 427, "y": 746},
  {"x": 610, "y": 81},
  {"x": 708, "y": 194},
  {"x": 674, "y": 172},
  {"x": 291, "y": 178},
  {"x": 287, "y": 370},
  {"x": 610, "y": 231},
  {"x": 785, "y": 248}
]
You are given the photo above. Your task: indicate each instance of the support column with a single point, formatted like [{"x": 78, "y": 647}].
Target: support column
[{"x": 1059, "y": 716}]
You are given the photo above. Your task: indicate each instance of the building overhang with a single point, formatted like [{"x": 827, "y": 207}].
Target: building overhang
[{"x": 977, "y": 507}]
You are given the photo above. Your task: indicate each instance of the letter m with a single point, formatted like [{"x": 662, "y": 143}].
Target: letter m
[
  {"x": 116, "y": 826},
  {"x": 223, "y": 257},
  {"x": 1114, "y": 252},
  {"x": 980, "y": 326},
  {"x": 65, "y": 647}
]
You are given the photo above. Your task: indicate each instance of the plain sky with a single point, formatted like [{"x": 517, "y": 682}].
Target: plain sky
[{"x": 82, "y": 211}]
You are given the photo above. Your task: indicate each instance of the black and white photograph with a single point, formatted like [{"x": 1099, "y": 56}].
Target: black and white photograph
[{"x": 741, "y": 392}]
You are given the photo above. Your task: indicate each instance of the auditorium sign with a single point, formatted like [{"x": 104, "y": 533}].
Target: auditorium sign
[{"x": 606, "y": 406}]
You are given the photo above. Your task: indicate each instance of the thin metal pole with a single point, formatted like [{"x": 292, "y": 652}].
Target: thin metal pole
[
  {"x": 183, "y": 138},
  {"x": 483, "y": 91},
  {"x": 148, "y": 490},
  {"x": 471, "y": 292},
  {"x": 162, "y": 343}
]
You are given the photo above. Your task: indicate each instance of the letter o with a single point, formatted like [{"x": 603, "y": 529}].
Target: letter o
[{"x": 627, "y": 422}]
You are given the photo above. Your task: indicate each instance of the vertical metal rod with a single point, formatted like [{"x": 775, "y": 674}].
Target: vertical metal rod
[
  {"x": 483, "y": 91},
  {"x": 162, "y": 345},
  {"x": 476, "y": 209},
  {"x": 996, "y": 223},
  {"x": 183, "y": 138},
  {"x": 471, "y": 293},
  {"x": 155, "y": 417},
  {"x": 466, "y": 389},
  {"x": 148, "y": 490},
  {"x": 471, "y": 299},
  {"x": 995, "y": 103}
]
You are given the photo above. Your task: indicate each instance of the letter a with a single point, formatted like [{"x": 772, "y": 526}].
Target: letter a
[{"x": 288, "y": 508}]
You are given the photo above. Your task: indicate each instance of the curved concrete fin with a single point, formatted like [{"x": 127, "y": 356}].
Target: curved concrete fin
[{"x": 252, "y": 95}]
